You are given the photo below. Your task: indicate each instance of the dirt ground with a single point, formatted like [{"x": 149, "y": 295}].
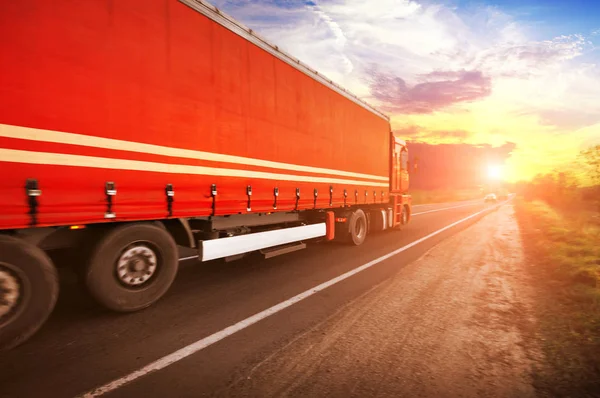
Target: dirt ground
[{"x": 456, "y": 323}]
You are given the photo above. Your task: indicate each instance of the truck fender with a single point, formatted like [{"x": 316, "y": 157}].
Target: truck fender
[{"x": 181, "y": 232}]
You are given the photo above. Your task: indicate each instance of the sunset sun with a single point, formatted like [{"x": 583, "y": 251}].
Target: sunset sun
[{"x": 494, "y": 172}]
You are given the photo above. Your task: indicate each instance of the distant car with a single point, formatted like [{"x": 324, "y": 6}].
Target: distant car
[{"x": 490, "y": 197}]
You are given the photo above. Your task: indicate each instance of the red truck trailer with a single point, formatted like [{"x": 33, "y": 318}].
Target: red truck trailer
[{"x": 130, "y": 127}]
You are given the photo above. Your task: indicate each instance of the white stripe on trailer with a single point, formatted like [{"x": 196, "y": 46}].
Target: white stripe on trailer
[
  {"x": 59, "y": 137},
  {"x": 63, "y": 159},
  {"x": 225, "y": 247}
]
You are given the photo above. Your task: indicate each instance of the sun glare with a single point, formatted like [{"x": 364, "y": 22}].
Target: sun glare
[{"x": 494, "y": 172}]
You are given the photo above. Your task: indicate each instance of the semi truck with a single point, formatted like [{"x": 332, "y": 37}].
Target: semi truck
[{"x": 131, "y": 128}]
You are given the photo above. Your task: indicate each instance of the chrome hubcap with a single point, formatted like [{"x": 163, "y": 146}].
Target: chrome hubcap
[
  {"x": 10, "y": 291},
  {"x": 136, "y": 265}
]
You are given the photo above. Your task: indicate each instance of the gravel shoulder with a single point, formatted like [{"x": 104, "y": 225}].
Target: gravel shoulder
[{"x": 458, "y": 322}]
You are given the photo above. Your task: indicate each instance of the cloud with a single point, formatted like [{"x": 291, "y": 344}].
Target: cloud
[
  {"x": 415, "y": 133},
  {"x": 565, "y": 118},
  {"x": 438, "y": 90},
  {"x": 528, "y": 59},
  {"x": 453, "y": 134},
  {"x": 338, "y": 33},
  {"x": 334, "y": 26}
]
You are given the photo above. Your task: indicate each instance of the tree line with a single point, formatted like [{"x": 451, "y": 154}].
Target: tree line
[{"x": 566, "y": 187}]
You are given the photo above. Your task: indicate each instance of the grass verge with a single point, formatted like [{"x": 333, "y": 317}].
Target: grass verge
[{"x": 563, "y": 249}]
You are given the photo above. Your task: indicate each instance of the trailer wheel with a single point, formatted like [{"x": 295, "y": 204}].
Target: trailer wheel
[
  {"x": 357, "y": 227},
  {"x": 131, "y": 267},
  {"x": 28, "y": 290}
]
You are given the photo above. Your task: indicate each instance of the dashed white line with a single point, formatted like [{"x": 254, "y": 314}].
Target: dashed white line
[
  {"x": 444, "y": 203},
  {"x": 445, "y": 208},
  {"x": 218, "y": 336}
]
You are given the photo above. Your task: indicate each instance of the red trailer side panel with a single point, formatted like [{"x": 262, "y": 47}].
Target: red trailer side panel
[{"x": 146, "y": 94}]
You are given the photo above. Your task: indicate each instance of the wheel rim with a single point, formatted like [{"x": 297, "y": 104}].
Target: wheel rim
[
  {"x": 359, "y": 228},
  {"x": 404, "y": 217},
  {"x": 137, "y": 264},
  {"x": 11, "y": 293}
]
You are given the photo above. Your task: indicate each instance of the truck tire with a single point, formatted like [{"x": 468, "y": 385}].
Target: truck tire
[
  {"x": 357, "y": 227},
  {"x": 405, "y": 215},
  {"x": 131, "y": 267},
  {"x": 28, "y": 290},
  {"x": 404, "y": 218}
]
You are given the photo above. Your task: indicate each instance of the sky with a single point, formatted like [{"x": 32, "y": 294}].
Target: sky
[{"x": 519, "y": 75}]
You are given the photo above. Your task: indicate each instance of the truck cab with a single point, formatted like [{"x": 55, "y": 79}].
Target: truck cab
[
  {"x": 399, "y": 168},
  {"x": 399, "y": 181}
]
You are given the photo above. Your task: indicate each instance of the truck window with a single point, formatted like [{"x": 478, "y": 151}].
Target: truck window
[{"x": 404, "y": 160}]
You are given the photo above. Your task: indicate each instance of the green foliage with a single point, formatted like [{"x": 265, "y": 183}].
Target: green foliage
[
  {"x": 557, "y": 188},
  {"x": 591, "y": 158},
  {"x": 562, "y": 246},
  {"x": 570, "y": 242},
  {"x": 568, "y": 188}
]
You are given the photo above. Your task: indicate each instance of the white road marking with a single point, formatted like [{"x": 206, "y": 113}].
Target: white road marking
[
  {"x": 218, "y": 336},
  {"x": 445, "y": 208},
  {"x": 434, "y": 204}
]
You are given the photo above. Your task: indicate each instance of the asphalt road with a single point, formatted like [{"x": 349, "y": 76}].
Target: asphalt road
[{"x": 83, "y": 347}]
